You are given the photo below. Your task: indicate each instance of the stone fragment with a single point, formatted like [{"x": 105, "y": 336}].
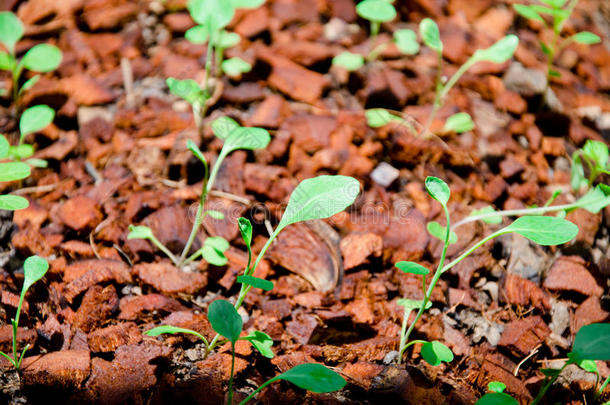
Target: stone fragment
[
  {"x": 385, "y": 174},
  {"x": 525, "y": 81},
  {"x": 168, "y": 279},
  {"x": 570, "y": 274},
  {"x": 357, "y": 247},
  {"x": 524, "y": 335},
  {"x": 80, "y": 213}
]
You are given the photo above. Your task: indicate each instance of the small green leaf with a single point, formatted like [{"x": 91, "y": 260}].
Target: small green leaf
[
  {"x": 586, "y": 37},
  {"x": 349, "y": 61},
  {"x": 545, "y": 48},
  {"x": 249, "y": 138},
  {"x": 34, "y": 268},
  {"x": 588, "y": 365},
  {"x": 4, "y": 146},
  {"x": 318, "y": 198},
  {"x": 496, "y": 386},
  {"x": 378, "y": 117},
  {"x": 42, "y": 58},
  {"x": 34, "y": 162},
  {"x": 528, "y": 12},
  {"x": 577, "y": 173},
  {"x": 214, "y": 14},
  {"x": 428, "y": 30},
  {"x": 438, "y": 189},
  {"x": 172, "y": 330},
  {"x": 495, "y": 220},
  {"x": 435, "y": 352},
  {"x": 554, "y": 73},
  {"x": 245, "y": 228},
  {"x": 555, "y": 3},
  {"x": 248, "y": 4},
  {"x": 20, "y": 152},
  {"x": 10, "y": 171},
  {"x": 227, "y": 39},
  {"x": 410, "y": 305},
  {"x": 29, "y": 83},
  {"x": 313, "y": 377},
  {"x": 234, "y": 67},
  {"x": 438, "y": 231},
  {"x": 458, "y": 123},
  {"x": 550, "y": 372},
  {"x": 598, "y": 152},
  {"x": 261, "y": 342},
  {"x": 11, "y": 202},
  {"x": 7, "y": 62},
  {"x": 215, "y": 214},
  {"x": 187, "y": 89},
  {"x": 139, "y": 232},
  {"x": 376, "y": 10},
  {"x": 256, "y": 282},
  {"x": 499, "y": 52},
  {"x": 595, "y": 200},
  {"x": 225, "y": 320},
  {"x": 543, "y": 230},
  {"x": 11, "y": 30},
  {"x": 223, "y": 126},
  {"x": 35, "y": 119},
  {"x": 213, "y": 250},
  {"x": 497, "y": 398},
  {"x": 591, "y": 343},
  {"x": 199, "y": 34},
  {"x": 413, "y": 268},
  {"x": 406, "y": 41},
  {"x": 196, "y": 151}
]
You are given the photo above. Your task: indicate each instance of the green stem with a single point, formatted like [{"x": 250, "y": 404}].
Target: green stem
[
  {"x": 165, "y": 250},
  {"x": 256, "y": 391},
  {"x": 375, "y": 29},
  {"x": 230, "y": 397},
  {"x": 219, "y": 56},
  {"x": 15, "y": 326},
  {"x": 602, "y": 388},
  {"x": 437, "y": 95},
  {"x": 403, "y": 335},
  {"x": 475, "y": 247},
  {"x": 548, "y": 385}
]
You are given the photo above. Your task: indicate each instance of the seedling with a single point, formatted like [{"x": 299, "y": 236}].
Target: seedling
[
  {"x": 497, "y": 396},
  {"x": 316, "y": 198},
  {"x": 594, "y": 155},
  {"x": 34, "y": 268},
  {"x": 559, "y": 12},
  {"x": 235, "y": 137},
  {"x": 40, "y": 58},
  {"x": 539, "y": 229},
  {"x": 11, "y": 171},
  {"x": 376, "y": 12}
]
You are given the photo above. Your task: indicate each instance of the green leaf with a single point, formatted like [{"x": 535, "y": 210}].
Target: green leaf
[
  {"x": 196, "y": 151},
  {"x": 199, "y": 34},
  {"x": 528, "y": 12},
  {"x": 10, "y": 171},
  {"x": 554, "y": 73},
  {"x": 438, "y": 189},
  {"x": 7, "y": 62},
  {"x": 11, "y": 30},
  {"x": 213, "y": 250},
  {"x": 499, "y": 52},
  {"x": 598, "y": 152},
  {"x": 595, "y": 200},
  {"x": 139, "y": 232},
  {"x": 550, "y": 372},
  {"x": 376, "y": 10},
  {"x": 591, "y": 343},
  {"x": 4, "y": 146},
  {"x": 223, "y": 126},
  {"x": 249, "y": 138},
  {"x": 227, "y": 39},
  {"x": 214, "y": 14},
  {"x": 435, "y": 352},
  {"x": 215, "y": 214},
  {"x": 406, "y": 41},
  {"x": 318, "y": 198},
  {"x": 172, "y": 330},
  {"x": 495, "y": 220},
  {"x": 458, "y": 123},
  {"x": 11, "y": 202},
  {"x": 261, "y": 342},
  {"x": 543, "y": 230},
  {"x": 577, "y": 173},
  {"x": 588, "y": 365},
  {"x": 20, "y": 152},
  {"x": 349, "y": 61},
  {"x": 255, "y": 282},
  {"x": 234, "y": 67},
  {"x": 497, "y": 398},
  {"x": 313, "y": 377},
  {"x": 378, "y": 117},
  {"x": 225, "y": 320},
  {"x": 438, "y": 231},
  {"x": 187, "y": 89},
  {"x": 555, "y": 3},
  {"x": 42, "y": 58},
  {"x": 496, "y": 386},
  {"x": 34, "y": 162},
  {"x": 29, "y": 83},
  {"x": 34, "y": 268},
  {"x": 428, "y": 30},
  {"x": 545, "y": 48},
  {"x": 586, "y": 37},
  {"x": 412, "y": 267},
  {"x": 245, "y": 228},
  {"x": 410, "y": 305},
  {"x": 249, "y": 4},
  {"x": 35, "y": 118}
]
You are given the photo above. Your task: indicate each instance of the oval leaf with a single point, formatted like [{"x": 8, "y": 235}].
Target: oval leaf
[
  {"x": 245, "y": 228},
  {"x": 11, "y": 171},
  {"x": 261, "y": 342},
  {"x": 378, "y": 117},
  {"x": 256, "y": 282},
  {"x": 428, "y": 30},
  {"x": 499, "y": 52},
  {"x": 35, "y": 118},
  {"x": 34, "y": 268},
  {"x": 223, "y": 126},
  {"x": 438, "y": 189},
  {"x": 435, "y": 352},
  {"x": 215, "y": 214},
  {"x": 412, "y": 304},
  {"x": 598, "y": 152},
  {"x": 495, "y": 220},
  {"x": 227, "y": 39},
  {"x": 318, "y": 198},
  {"x": 596, "y": 199},
  {"x": 187, "y": 89},
  {"x": 497, "y": 398},
  {"x": 458, "y": 123},
  {"x": 4, "y": 146},
  {"x": 413, "y": 268},
  {"x": 10, "y": 202},
  {"x": 11, "y": 30},
  {"x": 249, "y": 138},
  {"x": 543, "y": 230},
  {"x": 172, "y": 330},
  {"x": 586, "y": 37},
  {"x": 197, "y": 35},
  {"x": 527, "y": 12},
  {"x": 438, "y": 231},
  {"x": 349, "y": 61},
  {"x": 234, "y": 67},
  {"x": 225, "y": 320},
  {"x": 406, "y": 41},
  {"x": 376, "y": 10},
  {"x": 215, "y": 14},
  {"x": 139, "y": 232},
  {"x": 496, "y": 386},
  {"x": 313, "y": 377},
  {"x": 196, "y": 151},
  {"x": 42, "y": 58},
  {"x": 591, "y": 343},
  {"x": 248, "y": 4}
]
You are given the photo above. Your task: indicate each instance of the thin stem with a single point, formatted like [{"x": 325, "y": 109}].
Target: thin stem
[
  {"x": 208, "y": 65},
  {"x": 374, "y": 54},
  {"x": 375, "y": 25},
  {"x": 15, "y": 327},
  {"x": 165, "y": 250},
  {"x": 437, "y": 95},
  {"x": 219, "y": 56},
  {"x": 603, "y": 387},
  {"x": 548, "y": 385},
  {"x": 16, "y": 73},
  {"x": 256, "y": 391},
  {"x": 230, "y": 398},
  {"x": 9, "y": 358},
  {"x": 403, "y": 335},
  {"x": 475, "y": 247}
]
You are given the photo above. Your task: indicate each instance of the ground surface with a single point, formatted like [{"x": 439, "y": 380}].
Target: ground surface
[{"x": 118, "y": 158}]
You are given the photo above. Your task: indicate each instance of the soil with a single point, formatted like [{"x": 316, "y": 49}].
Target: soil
[{"x": 117, "y": 156}]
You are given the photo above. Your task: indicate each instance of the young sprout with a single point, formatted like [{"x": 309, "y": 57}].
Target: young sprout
[
  {"x": 40, "y": 58},
  {"x": 539, "y": 229},
  {"x": 559, "y": 11},
  {"x": 376, "y": 12},
  {"x": 594, "y": 156},
  {"x": 235, "y": 137},
  {"x": 497, "y": 396},
  {"x": 34, "y": 268},
  {"x": 11, "y": 171}
]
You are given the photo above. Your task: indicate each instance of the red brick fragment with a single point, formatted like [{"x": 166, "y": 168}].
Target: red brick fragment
[
  {"x": 135, "y": 306},
  {"x": 169, "y": 279},
  {"x": 590, "y": 311},
  {"x": 91, "y": 272},
  {"x": 357, "y": 247},
  {"x": 65, "y": 369},
  {"x": 79, "y": 213},
  {"x": 522, "y": 292},
  {"x": 570, "y": 274},
  {"x": 112, "y": 337},
  {"x": 523, "y": 335},
  {"x": 24, "y": 336},
  {"x": 98, "y": 305}
]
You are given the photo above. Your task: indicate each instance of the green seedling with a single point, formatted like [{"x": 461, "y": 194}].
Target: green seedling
[
  {"x": 234, "y": 137},
  {"x": 594, "y": 156},
  {"x": 376, "y": 12},
  {"x": 40, "y": 58},
  {"x": 34, "y": 268},
  {"x": 11, "y": 171},
  {"x": 558, "y": 11},
  {"x": 542, "y": 230},
  {"x": 497, "y": 396}
]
